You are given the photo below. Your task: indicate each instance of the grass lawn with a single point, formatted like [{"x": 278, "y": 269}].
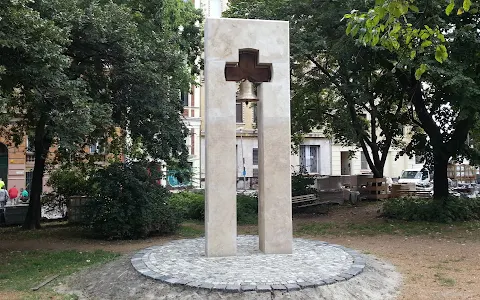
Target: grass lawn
[{"x": 23, "y": 270}]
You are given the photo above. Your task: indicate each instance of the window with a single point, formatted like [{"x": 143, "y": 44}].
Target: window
[
  {"x": 254, "y": 108},
  {"x": 418, "y": 159},
  {"x": 30, "y": 144},
  {"x": 310, "y": 158},
  {"x": 239, "y": 113},
  {"x": 255, "y": 156},
  {"x": 96, "y": 148},
  {"x": 28, "y": 180},
  {"x": 255, "y": 173},
  {"x": 363, "y": 162},
  {"x": 184, "y": 98},
  {"x": 425, "y": 174}
]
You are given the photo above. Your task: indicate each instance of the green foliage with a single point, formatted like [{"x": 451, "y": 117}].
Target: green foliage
[
  {"x": 302, "y": 184},
  {"x": 414, "y": 209},
  {"x": 65, "y": 182},
  {"x": 335, "y": 81},
  {"x": 247, "y": 209},
  {"x": 391, "y": 24},
  {"x": 76, "y": 72},
  {"x": 191, "y": 206},
  {"x": 126, "y": 202},
  {"x": 443, "y": 97}
]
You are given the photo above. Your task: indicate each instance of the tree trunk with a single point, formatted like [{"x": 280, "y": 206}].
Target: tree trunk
[
  {"x": 42, "y": 145},
  {"x": 34, "y": 214},
  {"x": 440, "y": 180}
]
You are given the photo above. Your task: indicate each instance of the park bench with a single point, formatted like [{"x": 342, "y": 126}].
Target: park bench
[{"x": 310, "y": 200}]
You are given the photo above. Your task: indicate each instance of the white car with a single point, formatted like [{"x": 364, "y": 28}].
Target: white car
[{"x": 421, "y": 178}]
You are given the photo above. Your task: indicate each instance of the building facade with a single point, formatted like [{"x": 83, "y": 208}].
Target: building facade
[{"x": 16, "y": 164}]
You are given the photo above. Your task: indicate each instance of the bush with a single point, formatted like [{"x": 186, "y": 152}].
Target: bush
[
  {"x": 247, "y": 209},
  {"x": 65, "y": 182},
  {"x": 301, "y": 184},
  {"x": 452, "y": 209},
  {"x": 126, "y": 202},
  {"x": 191, "y": 206}
]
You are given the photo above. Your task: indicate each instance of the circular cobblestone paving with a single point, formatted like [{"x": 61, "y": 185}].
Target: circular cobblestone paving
[{"x": 313, "y": 263}]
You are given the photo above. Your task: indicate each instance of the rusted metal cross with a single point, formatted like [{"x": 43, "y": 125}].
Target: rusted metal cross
[{"x": 248, "y": 68}]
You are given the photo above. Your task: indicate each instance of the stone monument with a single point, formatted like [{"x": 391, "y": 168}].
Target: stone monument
[
  {"x": 255, "y": 52},
  {"x": 248, "y": 51}
]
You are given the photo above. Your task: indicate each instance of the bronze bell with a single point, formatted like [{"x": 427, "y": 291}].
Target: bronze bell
[{"x": 247, "y": 92}]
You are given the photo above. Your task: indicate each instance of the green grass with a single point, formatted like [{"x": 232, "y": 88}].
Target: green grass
[
  {"x": 189, "y": 230},
  {"x": 56, "y": 230},
  {"x": 446, "y": 281},
  {"x": 461, "y": 229},
  {"x": 22, "y": 270}
]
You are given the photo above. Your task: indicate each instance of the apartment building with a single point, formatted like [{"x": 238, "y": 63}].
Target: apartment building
[{"x": 16, "y": 163}]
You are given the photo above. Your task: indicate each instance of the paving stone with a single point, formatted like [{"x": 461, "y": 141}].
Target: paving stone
[
  {"x": 329, "y": 281},
  {"x": 279, "y": 287},
  {"x": 183, "y": 282},
  {"x": 264, "y": 288},
  {"x": 194, "y": 284},
  {"x": 233, "y": 288},
  {"x": 292, "y": 287},
  {"x": 219, "y": 287},
  {"x": 248, "y": 288},
  {"x": 306, "y": 284},
  {"x": 346, "y": 275},
  {"x": 320, "y": 283},
  {"x": 183, "y": 262},
  {"x": 206, "y": 286},
  {"x": 172, "y": 280}
]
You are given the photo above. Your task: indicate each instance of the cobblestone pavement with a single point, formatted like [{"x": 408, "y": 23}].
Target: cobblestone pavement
[{"x": 312, "y": 264}]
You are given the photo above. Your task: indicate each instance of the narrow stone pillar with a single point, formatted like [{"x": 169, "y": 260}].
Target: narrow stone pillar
[
  {"x": 275, "y": 201},
  {"x": 220, "y": 155}
]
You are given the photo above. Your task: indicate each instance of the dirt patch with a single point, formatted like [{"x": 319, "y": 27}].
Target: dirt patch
[{"x": 432, "y": 268}]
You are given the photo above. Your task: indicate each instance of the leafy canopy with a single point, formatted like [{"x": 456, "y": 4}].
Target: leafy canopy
[{"x": 338, "y": 86}]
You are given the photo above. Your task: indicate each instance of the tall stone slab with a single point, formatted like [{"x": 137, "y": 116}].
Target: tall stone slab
[
  {"x": 224, "y": 38},
  {"x": 220, "y": 156},
  {"x": 274, "y": 195}
]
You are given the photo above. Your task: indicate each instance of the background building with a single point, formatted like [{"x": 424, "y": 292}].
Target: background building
[{"x": 16, "y": 163}]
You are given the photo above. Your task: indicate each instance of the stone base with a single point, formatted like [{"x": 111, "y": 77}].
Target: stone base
[
  {"x": 312, "y": 264},
  {"x": 120, "y": 281}
]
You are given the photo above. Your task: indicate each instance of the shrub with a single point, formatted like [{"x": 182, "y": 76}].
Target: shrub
[
  {"x": 414, "y": 209},
  {"x": 247, "y": 209},
  {"x": 126, "y": 202},
  {"x": 191, "y": 206},
  {"x": 65, "y": 182},
  {"x": 301, "y": 184}
]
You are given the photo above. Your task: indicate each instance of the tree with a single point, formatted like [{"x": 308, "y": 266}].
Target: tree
[
  {"x": 338, "y": 85},
  {"x": 74, "y": 72},
  {"x": 436, "y": 59}
]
